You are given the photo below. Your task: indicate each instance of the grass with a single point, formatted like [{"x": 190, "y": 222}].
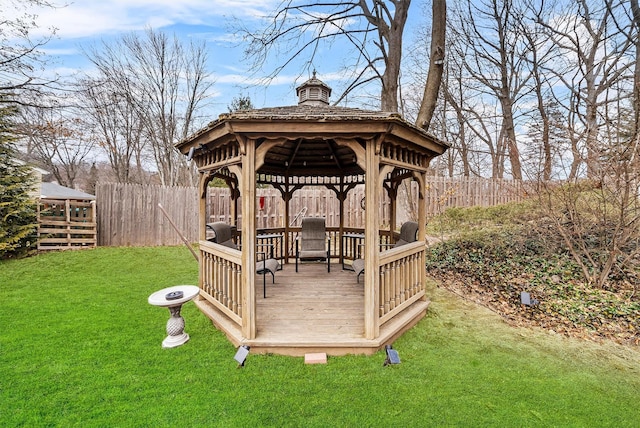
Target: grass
[{"x": 80, "y": 346}]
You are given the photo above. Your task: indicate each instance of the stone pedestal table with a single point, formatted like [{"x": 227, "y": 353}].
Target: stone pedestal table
[{"x": 166, "y": 298}]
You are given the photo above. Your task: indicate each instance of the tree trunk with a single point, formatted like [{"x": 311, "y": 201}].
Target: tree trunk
[
  {"x": 635, "y": 9},
  {"x": 392, "y": 33},
  {"x": 510, "y": 137},
  {"x": 436, "y": 64}
]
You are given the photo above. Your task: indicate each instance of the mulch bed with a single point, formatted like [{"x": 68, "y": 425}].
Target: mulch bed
[{"x": 590, "y": 314}]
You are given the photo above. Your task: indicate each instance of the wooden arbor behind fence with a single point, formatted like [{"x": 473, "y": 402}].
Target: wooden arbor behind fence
[{"x": 312, "y": 144}]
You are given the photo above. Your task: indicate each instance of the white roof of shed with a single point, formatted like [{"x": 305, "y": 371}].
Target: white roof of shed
[{"x": 56, "y": 191}]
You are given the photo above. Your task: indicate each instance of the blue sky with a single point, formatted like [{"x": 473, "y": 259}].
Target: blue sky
[{"x": 84, "y": 23}]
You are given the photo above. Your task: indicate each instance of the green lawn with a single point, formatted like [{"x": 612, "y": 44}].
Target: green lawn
[{"x": 80, "y": 346}]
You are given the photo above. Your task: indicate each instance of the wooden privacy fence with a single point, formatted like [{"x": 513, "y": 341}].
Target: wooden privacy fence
[
  {"x": 445, "y": 192},
  {"x": 128, "y": 214}
]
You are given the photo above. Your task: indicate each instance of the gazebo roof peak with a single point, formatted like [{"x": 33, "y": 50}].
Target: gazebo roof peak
[{"x": 313, "y": 92}]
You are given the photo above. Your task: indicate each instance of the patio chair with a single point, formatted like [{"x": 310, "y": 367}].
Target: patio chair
[
  {"x": 408, "y": 234},
  {"x": 312, "y": 244},
  {"x": 224, "y": 236}
]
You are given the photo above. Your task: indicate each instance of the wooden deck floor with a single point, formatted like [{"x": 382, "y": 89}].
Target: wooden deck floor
[{"x": 313, "y": 311}]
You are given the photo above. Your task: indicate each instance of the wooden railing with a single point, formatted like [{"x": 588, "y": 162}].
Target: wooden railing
[
  {"x": 350, "y": 249},
  {"x": 271, "y": 241},
  {"x": 401, "y": 273},
  {"x": 402, "y": 278},
  {"x": 220, "y": 281}
]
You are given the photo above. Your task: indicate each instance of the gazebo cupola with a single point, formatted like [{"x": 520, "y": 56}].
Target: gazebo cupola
[{"x": 313, "y": 92}]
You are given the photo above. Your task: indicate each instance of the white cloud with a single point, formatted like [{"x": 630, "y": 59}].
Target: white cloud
[
  {"x": 70, "y": 50},
  {"x": 244, "y": 80},
  {"x": 93, "y": 18}
]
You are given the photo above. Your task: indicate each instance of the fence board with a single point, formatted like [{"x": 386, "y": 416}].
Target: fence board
[{"x": 128, "y": 214}]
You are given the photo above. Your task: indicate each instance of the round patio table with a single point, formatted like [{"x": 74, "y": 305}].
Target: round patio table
[{"x": 170, "y": 298}]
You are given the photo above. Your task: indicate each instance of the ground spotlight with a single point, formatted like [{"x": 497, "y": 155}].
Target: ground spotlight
[
  {"x": 392, "y": 356},
  {"x": 525, "y": 299},
  {"x": 241, "y": 355}
]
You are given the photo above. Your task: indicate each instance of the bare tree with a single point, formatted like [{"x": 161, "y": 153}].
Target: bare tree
[
  {"x": 636, "y": 72},
  {"x": 592, "y": 58},
  {"x": 240, "y": 103},
  {"x": 436, "y": 64},
  {"x": 496, "y": 59},
  {"x": 165, "y": 84},
  {"x": 473, "y": 123},
  {"x": 60, "y": 144},
  {"x": 373, "y": 28},
  {"x": 458, "y": 95},
  {"x": 539, "y": 54},
  {"x": 23, "y": 67},
  {"x": 596, "y": 220},
  {"x": 455, "y": 128},
  {"x": 119, "y": 130},
  {"x": 550, "y": 137}
]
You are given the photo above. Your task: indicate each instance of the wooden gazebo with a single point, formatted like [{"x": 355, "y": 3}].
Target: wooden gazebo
[{"x": 312, "y": 144}]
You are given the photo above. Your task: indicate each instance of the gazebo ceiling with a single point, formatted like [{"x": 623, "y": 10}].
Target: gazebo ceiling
[{"x": 302, "y": 157}]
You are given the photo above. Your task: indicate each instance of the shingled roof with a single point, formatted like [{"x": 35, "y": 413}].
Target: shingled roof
[{"x": 310, "y": 113}]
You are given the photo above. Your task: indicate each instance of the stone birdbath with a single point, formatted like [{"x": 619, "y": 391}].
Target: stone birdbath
[{"x": 173, "y": 298}]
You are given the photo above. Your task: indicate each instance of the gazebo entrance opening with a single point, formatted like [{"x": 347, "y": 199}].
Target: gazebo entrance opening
[{"x": 313, "y": 144}]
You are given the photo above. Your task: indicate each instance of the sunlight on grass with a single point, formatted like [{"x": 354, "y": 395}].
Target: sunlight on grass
[{"x": 81, "y": 347}]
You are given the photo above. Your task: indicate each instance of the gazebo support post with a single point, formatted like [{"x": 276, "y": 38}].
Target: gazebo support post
[
  {"x": 248, "y": 192},
  {"x": 371, "y": 238},
  {"x": 202, "y": 208},
  {"x": 203, "y": 185},
  {"x": 421, "y": 178},
  {"x": 342, "y": 195},
  {"x": 233, "y": 210},
  {"x": 286, "y": 197},
  {"x": 392, "y": 192}
]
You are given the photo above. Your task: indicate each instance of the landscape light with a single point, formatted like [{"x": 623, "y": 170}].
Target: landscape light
[
  {"x": 392, "y": 356},
  {"x": 525, "y": 299},
  {"x": 241, "y": 355}
]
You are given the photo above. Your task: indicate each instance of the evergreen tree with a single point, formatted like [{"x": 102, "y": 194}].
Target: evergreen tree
[
  {"x": 18, "y": 220},
  {"x": 241, "y": 103}
]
